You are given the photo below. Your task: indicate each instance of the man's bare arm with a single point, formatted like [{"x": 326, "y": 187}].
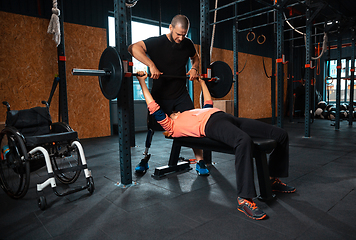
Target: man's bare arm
[{"x": 193, "y": 72}]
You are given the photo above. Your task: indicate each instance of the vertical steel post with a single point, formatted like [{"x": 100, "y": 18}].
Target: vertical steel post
[
  {"x": 63, "y": 101},
  {"x": 205, "y": 47},
  {"x": 352, "y": 78},
  {"x": 307, "y": 71},
  {"x": 204, "y": 35},
  {"x": 130, "y": 79},
  {"x": 124, "y": 106},
  {"x": 160, "y": 19},
  {"x": 273, "y": 89},
  {"x": 313, "y": 77},
  {"x": 291, "y": 77},
  {"x": 236, "y": 63},
  {"x": 328, "y": 71},
  {"x": 273, "y": 76},
  {"x": 338, "y": 81},
  {"x": 280, "y": 66}
]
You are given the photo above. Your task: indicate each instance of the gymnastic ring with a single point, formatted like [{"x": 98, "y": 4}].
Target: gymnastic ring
[
  {"x": 249, "y": 34},
  {"x": 258, "y": 39}
]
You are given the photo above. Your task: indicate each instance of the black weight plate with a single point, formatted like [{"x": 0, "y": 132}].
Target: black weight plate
[
  {"x": 222, "y": 87},
  {"x": 110, "y": 85}
]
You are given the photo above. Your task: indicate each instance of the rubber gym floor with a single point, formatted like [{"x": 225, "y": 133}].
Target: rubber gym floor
[{"x": 187, "y": 206}]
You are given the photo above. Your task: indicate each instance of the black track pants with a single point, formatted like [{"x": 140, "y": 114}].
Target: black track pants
[{"x": 237, "y": 133}]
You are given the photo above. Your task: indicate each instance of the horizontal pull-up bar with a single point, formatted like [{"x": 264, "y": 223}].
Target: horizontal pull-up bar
[
  {"x": 316, "y": 24},
  {"x": 276, "y": 6},
  {"x": 264, "y": 25},
  {"x": 241, "y": 19},
  {"x": 295, "y": 17},
  {"x": 296, "y": 38},
  {"x": 225, "y": 20},
  {"x": 254, "y": 11},
  {"x": 250, "y": 28},
  {"x": 225, "y": 6},
  {"x": 330, "y": 41},
  {"x": 248, "y": 13},
  {"x": 256, "y": 15}
]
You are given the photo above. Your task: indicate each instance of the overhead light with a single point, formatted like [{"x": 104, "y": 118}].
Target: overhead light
[{"x": 331, "y": 22}]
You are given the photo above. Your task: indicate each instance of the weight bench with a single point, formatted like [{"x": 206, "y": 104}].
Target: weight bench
[{"x": 262, "y": 147}]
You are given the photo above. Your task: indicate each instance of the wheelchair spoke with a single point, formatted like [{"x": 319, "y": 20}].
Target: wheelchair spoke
[
  {"x": 14, "y": 169},
  {"x": 68, "y": 157}
]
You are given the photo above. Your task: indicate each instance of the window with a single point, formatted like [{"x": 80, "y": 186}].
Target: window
[
  {"x": 345, "y": 82},
  {"x": 140, "y": 31}
]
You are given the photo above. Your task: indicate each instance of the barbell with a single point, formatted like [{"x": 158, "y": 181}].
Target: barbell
[{"x": 112, "y": 72}]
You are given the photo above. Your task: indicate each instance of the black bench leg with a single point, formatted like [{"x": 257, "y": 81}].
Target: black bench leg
[
  {"x": 175, "y": 151},
  {"x": 173, "y": 165},
  {"x": 263, "y": 177}
]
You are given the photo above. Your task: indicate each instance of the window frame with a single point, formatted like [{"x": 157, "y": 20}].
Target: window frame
[{"x": 345, "y": 73}]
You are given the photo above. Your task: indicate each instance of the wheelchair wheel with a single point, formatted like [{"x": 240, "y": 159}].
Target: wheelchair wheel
[
  {"x": 14, "y": 164},
  {"x": 66, "y": 157},
  {"x": 42, "y": 203},
  {"x": 91, "y": 186}
]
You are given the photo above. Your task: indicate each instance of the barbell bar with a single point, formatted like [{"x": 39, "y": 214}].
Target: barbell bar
[
  {"x": 112, "y": 72},
  {"x": 90, "y": 72},
  {"x": 100, "y": 73}
]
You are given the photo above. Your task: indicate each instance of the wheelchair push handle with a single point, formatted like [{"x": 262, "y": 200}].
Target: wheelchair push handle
[
  {"x": 7, "y": 105},
  {"x": 45, "y": 103}
]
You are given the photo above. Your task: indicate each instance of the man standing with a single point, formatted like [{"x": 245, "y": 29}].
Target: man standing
[{"x": 168, "y": 54}]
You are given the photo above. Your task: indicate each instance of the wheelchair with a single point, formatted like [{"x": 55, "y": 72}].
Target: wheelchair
[{"x": 31, "y": 141}]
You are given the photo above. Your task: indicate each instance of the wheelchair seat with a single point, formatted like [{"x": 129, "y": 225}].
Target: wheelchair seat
[
  {"x": 30, "y": 141},
  {"x": 47, "y": 138}
]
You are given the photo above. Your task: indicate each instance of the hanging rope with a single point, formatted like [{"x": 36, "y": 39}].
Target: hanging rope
[
  {"x": 325, "y": 39},
  {"x": 290, "y": 25},
  {"x": 213, "y": 33},
  {"x": 324, "y": 49},
  {"x": 54, "y": 26}
]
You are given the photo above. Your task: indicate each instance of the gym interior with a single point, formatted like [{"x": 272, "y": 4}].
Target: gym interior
[{"x": 292, "y": 64}]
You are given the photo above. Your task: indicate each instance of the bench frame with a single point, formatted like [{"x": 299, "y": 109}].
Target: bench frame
[{"x": 262, "y": 147}]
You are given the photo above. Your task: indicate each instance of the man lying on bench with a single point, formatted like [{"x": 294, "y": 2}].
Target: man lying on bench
[{"x": 235, "y": 132}]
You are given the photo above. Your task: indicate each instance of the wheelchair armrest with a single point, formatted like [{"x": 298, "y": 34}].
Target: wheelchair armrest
[{"x": 60, "y": 127}]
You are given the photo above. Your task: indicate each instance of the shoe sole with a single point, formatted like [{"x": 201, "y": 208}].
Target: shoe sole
[
  {"x": 254, "y": 218},
  {"x": 139, "y": 171},
  {"x": 207, "y": 174}
]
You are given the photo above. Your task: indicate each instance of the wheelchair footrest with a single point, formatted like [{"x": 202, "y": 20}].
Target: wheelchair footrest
[
  {"x": 69, "y": 190},
  {"x": 164, "y": 170},
  {"x": 70, "y": 169}
]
